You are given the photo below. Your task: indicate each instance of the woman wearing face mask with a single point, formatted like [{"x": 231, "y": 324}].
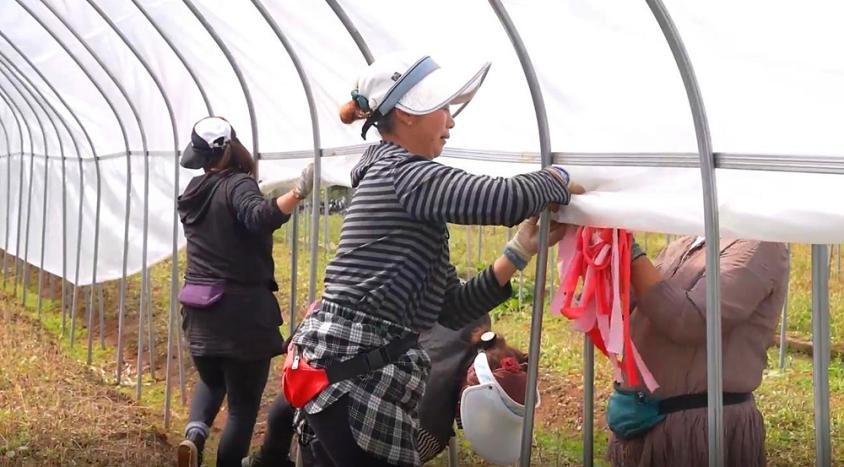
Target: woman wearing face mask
[{"x": 356, "y": 367}]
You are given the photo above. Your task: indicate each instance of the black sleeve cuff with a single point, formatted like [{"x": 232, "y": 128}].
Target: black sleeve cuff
[
  {"x": 493, "y": 293},
  {"x": 275, "y": 218},
  {"x": 475, "y": 298}
]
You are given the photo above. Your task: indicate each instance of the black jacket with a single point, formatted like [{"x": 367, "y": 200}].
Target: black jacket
[
  {"x": 451, "y": 352},
  {"x": 228, "y": 225}
]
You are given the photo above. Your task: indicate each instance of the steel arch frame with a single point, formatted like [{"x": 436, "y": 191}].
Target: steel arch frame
[
  {"x": 708, "y": 161},
  {"x": 144, "y": 301},
  {"x": 25, "y": 281},
  {"x": 64, "y": 184},
  {"x": 714, "y": 376},
  {"x": 142, "y": 131},
  {"x": 15, "y": 112},
  {"x": 317, "y": 148},
  {"x": 9, "y": 185},
  {"x": 250, "y": 106},
  {"x": 542, "y": 257},
  {"x": 174, "y": 268},
  {"x": 244, "y": 87},
  {"x": 96, "y": 160},
  {"x": 99, "y": 88},
  {"x": 9, "y": 74}
]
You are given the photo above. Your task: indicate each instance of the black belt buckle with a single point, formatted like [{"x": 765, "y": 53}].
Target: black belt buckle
[{"x": 377, "y": 359}]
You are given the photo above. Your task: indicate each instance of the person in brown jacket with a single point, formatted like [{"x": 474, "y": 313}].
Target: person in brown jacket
[{"x": 668, "y": 326}]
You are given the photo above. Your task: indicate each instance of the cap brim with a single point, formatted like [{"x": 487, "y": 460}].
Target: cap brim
[
  {"x": 193, "y": 159},
  {"x": 489, "y": 426},
  {"x": 443, "y": 87},
  {"x": 491, "y": 419}
]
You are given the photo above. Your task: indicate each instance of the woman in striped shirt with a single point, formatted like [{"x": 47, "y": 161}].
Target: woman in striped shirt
[{"x": 392, "y": 276}]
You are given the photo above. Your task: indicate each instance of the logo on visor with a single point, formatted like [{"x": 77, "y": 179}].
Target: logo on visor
[{"x": 395, "y": 76}]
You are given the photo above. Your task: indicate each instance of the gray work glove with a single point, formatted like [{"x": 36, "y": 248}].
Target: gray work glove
[
  {"x": 525, "y": 244},
  {"x": 305, "y": 184}
]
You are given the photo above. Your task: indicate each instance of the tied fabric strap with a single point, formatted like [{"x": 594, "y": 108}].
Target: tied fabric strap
[{"x": 599, "y": 258}]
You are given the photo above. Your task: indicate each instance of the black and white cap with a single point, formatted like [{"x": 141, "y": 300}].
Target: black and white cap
[{"x": 207, "y": 141}]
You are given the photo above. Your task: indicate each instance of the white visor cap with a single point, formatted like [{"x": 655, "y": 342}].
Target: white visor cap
[
  {"x": 492, "y": 420},
  {"x": 441, "y": 87}
]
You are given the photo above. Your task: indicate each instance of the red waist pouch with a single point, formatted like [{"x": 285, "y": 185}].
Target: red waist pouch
[{"x": 301, "y": 382}]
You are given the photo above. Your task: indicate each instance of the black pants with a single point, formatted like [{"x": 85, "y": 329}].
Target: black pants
[
  {"x": 276, "y": 447},
  {"x": 337, "y": 445},
  {"x": 243, "y": 383},
  {"x": 275, "y": 451}
]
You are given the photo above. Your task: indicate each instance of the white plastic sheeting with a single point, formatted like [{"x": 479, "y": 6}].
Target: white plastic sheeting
[
  {"x": 770, "y": 74},
  {"x": 112, "y": 172}
]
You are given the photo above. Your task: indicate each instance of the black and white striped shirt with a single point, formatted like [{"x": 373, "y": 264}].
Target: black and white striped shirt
[
  {"x": 392, "y": 276},
  {"x": 393, "y": 258}
]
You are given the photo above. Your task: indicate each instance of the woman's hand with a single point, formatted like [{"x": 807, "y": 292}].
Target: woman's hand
[
  {"x": 563, "y": 176},
  {"x": 523, "y": 247},
  {"x": 576, "y": 188},
  {"x": 527, "y": 236}
]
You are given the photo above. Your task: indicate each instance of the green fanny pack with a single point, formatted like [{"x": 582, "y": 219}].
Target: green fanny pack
[{"x": 632, "y": 413}]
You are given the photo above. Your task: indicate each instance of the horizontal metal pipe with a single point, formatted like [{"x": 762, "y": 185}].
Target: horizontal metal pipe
[
  {"x": 762, "y": 162},
  {"x": 769, "y": 163}
]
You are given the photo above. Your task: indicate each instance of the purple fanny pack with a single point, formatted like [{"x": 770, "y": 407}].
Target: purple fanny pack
[{"x": 201, "y": 295}]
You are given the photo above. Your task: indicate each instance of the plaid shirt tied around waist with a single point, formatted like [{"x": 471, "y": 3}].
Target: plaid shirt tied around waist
[{"x": 382, "y": 403}]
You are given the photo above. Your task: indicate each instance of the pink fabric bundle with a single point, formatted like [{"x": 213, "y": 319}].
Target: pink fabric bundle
[{"x": 599, "y": 260}]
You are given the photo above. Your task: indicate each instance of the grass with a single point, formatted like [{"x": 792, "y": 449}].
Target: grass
[
  {"x": 54, "y": 411},
  {"x": 785, "y": 397}
]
